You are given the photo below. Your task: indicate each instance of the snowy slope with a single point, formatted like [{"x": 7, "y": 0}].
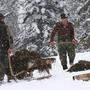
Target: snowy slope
[{"x": 61, "y": 80}]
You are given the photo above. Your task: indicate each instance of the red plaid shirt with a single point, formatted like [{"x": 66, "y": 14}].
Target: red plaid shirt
[{"x": 61, "y": 31}]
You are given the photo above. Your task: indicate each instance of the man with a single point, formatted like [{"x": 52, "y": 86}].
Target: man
[
  {"x": 66, "y": 42},
  {"x": 5, "y": 40}
]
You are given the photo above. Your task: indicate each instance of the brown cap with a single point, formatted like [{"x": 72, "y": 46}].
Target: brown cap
[
  {"x": 1, "y": 15},
  {"x": 63, "y": 15}
]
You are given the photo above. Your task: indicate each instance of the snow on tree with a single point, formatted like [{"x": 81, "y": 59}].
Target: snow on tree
[{"x": 32, "y": 21}]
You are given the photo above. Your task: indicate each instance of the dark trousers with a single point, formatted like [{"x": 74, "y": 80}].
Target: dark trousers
[
  {"x": 4, "y": 64},
  {"x": 64, "y": 50}
]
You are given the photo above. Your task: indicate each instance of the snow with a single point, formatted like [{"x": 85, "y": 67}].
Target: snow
[
  {"x": 88, "y": 19},
  {"x": 61, "y": 80},
  {"x": 37, "y": 1},
  {"x": 62, "y": 3},
  {"x": 34, "y": 26},
  {"x": 43, "y": 10}
]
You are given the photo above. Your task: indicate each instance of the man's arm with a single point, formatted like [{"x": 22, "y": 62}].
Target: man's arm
[
  {"x": 72, "y": 31},
  {"x": 10, "y": 35},
  {"x": 74, "y": 41},
  {"x": 9, "y": 32},
  {"x": 55, "y": 30}
]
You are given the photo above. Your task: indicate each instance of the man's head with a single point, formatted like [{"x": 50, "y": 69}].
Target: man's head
[
  {"x": 1, "y": 17},
  {"x": 64, "y": 18}
]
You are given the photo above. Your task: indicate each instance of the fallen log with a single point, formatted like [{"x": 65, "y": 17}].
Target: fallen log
[{"x": 84, "y": 77}]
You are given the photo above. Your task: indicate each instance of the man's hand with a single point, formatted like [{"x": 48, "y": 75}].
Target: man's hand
[
  {"x": 74, "y": 41},
  {"x": 52, "y": 43},
  {"x": 10, "y": 52}
]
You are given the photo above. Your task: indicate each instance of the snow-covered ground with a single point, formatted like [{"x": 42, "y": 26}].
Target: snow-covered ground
[{"x": 61, "y": 80}]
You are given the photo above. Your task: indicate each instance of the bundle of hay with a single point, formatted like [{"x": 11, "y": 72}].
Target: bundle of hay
[
  {"x": 43, "y": 65},
  {"x": 80, "y": 66},
  {"x": 19, "y": 63},
  {"x": 25, "y": 62}
]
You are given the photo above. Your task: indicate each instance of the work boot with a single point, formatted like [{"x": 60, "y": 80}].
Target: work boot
[
  {"x": 71, "y": 65},
  {"x": 65, "y": 67},
  {"x": 1, "y": 82},
  {"x": 10, "y": 78}
]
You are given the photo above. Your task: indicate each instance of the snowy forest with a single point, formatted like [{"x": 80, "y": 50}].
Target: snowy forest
[{"x": 32, "y": 22}]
